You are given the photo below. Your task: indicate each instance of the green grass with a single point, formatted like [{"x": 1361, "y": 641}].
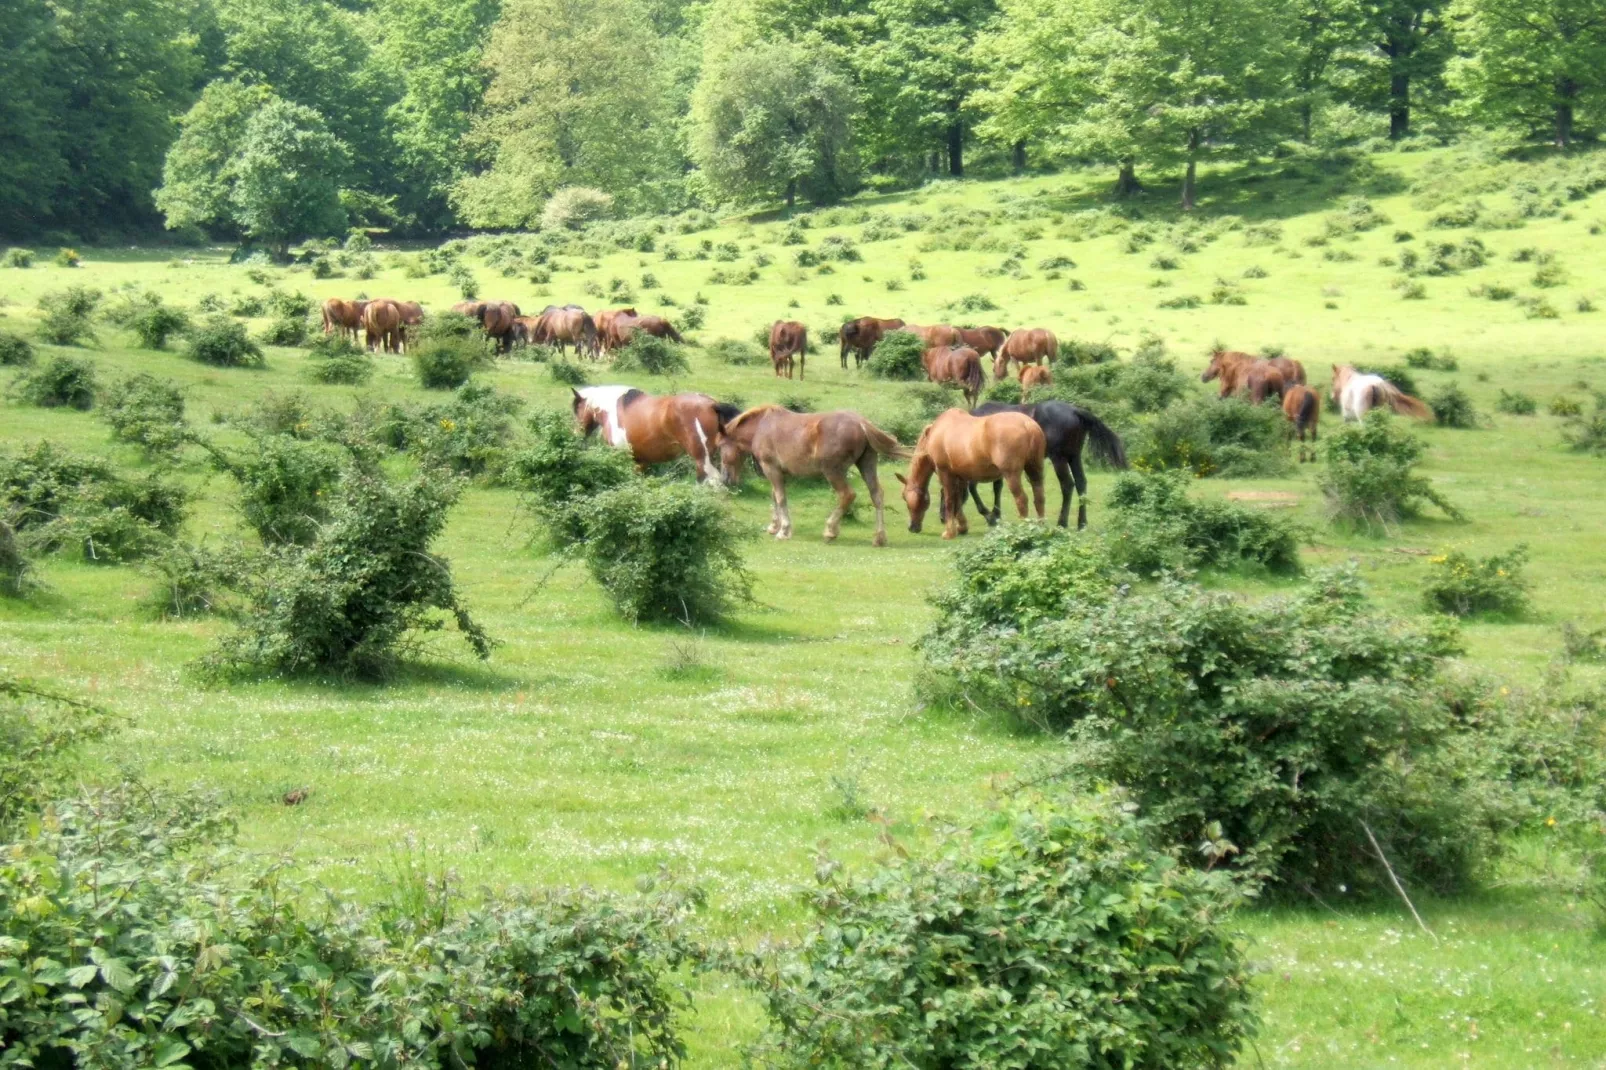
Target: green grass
[{"x": 588, "y": 750}]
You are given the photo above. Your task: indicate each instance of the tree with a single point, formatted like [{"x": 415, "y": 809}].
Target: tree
[
  {"x": 576, "y": 99},
  {"x": 1412, "y": 44},
  {"x": 31, "y": 165},
  {"x": 1322, "y": 28},
  {"x": 1534, "y": 64},
  {"x": 770, "y": 119},
  {"x": 197, "y": 180},
  {"x": 287, "y": 176},
  {"x": 1154, "y": 82}
]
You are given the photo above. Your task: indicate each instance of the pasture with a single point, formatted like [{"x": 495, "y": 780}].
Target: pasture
[{"x": 588, "y": 750}]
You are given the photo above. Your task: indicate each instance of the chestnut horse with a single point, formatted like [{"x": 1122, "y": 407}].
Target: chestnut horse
[
  {"x": 1242, "y": 373},
  {"x": 962, "y": 366},
  {"x": 568, "y": 325},
  {"x": 605, "y": 321},
  {"x": 1026, "y": 346},
  {"x": 784, "y": 443},
  {"x": 961, "y": 449},
  {"x": 1358, "y": 393},
  {"x": 1067, "y": 428},
  {"x": 343, "y": 316},
  {"x": 1033, "y": 376},
  {"x": 1291, "y": 370},
  {"x": 988, "y": 340},
  {"x": 381, "y": 325},
  {"x": 625, "y": 327},
  {"x": 412, "y": 314},
  {"x": 788, "y": 338},
  {"x": 495, "y": 319},
  {"x": 861, "y": 336},
  {"x": 655, "y": 429},
  {"x": 940, "y": 334},
  {"x": 1303, "y": 409}
]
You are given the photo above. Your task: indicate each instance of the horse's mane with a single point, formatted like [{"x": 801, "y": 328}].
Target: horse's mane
[{"x": 754, "y": 413}]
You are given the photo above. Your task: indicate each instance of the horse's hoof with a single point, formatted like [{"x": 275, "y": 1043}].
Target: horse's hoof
[
  {"x": 880, "y": 539},
  {"x": 992, "y": 521},
  {"x": 782, "y": 536},
  {"x": 830, "y": 536}
]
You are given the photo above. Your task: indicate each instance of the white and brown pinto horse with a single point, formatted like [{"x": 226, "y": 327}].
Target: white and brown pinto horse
[
  {"x": 1357, "y": 393},
  {"x": 655, "y": 429},
  {"x": 825, "y": 444}
]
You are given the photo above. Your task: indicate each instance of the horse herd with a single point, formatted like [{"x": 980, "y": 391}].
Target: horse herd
[{"x": 384, "y": 324}]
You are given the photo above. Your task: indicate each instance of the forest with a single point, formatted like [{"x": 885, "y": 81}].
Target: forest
[{"x": 270, "y": 121}]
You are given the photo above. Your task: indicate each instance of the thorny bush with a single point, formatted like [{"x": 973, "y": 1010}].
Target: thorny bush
[
  {"x": 1463, "y": 585},
  {"x": 147, "y": 412},
  {"x": 1370, "y": 477},
  {"x": 1159, "y": 526}
]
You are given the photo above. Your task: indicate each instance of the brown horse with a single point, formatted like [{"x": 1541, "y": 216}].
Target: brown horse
[
  {"x": 788, "y": 338},
  {"x": 605, "y": 327},
  {"x": 1290, "y": 369},
  {"x": 569, "y": 325},
  {"x": 381, "y": 324},
  {"x": 861, "y": 336},
  {"x": 1303, "y": 409},
  {"x": 784, "y": 443},
  {"x": 962, "y": 366},
  {"x": 1033, "y": 376},
  {"x": 961, "y": 449},
  {"x": 625, "y": 327},
  {"x": 412, "y": 314},
  {"x": 1241, "y": 373},
  {"x": 342, "y": 316},
  {"x": 497, "y": 322},
  {"x": 527, "y": 331},
  {"x": 986, "y": 340},
  {"x": 1026, "y": 346},
  {"x": 940, "y": 334},
  {"x": 655, "y": 429}
]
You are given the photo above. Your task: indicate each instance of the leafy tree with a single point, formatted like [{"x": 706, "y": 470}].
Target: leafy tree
[
  {"x": 287, "y": 176},
  {"x": 1321, "y": 30},
  {"x": 1409, "y": 44},
  {"x": 771, "y": 119},
  {"x": 31, "y": 165},
  {"x": 1534, "y": 64},
  {"x": 197, "y": 180}
]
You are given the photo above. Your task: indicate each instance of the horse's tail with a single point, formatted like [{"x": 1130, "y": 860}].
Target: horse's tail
[
  {"x": 674, "y": 335},
  {"x": 725, "y": 412},
  {"x": 1405, "y": 404},
  {"x": 1310, "y": 408},
  {"x": 883, "y": 443},
  {"x": 975, "y": 381},
  {"x": 1107, "y": 445}
]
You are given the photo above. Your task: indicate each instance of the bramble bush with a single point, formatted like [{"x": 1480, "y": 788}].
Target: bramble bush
[
  {"x": 15, "y": 350},
  {"x": 650, "y": 354},
  {"x": 352, "y": 601},
  {"x": 1370, "y": 476},
  {"x": 41, "y": 732},
  {"x": 66, "y": 319},
  {"x": 556, "y": 469},
  {"x": 1050, "y": 935},
  {"x": 1453, "y": 408},
  {"x": 63, "y": 381},
  {"x": 146, "y": 411},
  {"x": 53, "y": 499},
  {"x": 336, "y": 360},
  {"x": 897, "y": 356},
  {"x": 223, "y": 343},
  {"x": 1159, "y": 526},
  {"x": 1462, "y": 585},
  {"x": 469, "y": 435},
  {"x": 447, "y": 350},
  {"x": 1226, "y": 437},
  {"x": 193, "y": 581},
  {"x": 286, "y": 484}
]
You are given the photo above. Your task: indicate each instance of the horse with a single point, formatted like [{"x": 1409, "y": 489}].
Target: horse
[
  {"x": 343, "y": 316},
  {"x": 568, "y": 325},
  {"x": 624, "y": 328},
  {"x": 1291, "y": 370},
  {"x": 1357, "y": 393},
  {"x": 1026, "y": 346},
  {"x": 1066, "y": 429},
  {"x": 381, "y": 324},
  {"x": 1242, "y": 373},
  {"x": 988, "y": 340},
  {"x": 940, "y": 334},
  {"x": 961, "y": 449},
  {"x": 497, "y": 321},
  {"x": 1033, "y": 376},
  {"x": 962, "y": 366},
  {"x": 861, "y": 336},
  {"x": 788, "y": 338},
  {"x": 412, "y": 314},
  {"x": 784, "y": 443},
  {"x": 527, "y": 331},
  {"x": 605, "y": 320},
  {"x": 1303, "y": 409},
  {"x": 655, "y": 429}
]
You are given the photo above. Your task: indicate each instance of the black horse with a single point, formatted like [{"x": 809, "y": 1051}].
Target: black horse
[{"x": 1067, "y": 429}]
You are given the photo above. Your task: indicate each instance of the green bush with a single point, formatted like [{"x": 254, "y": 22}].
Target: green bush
[
  {"x": 66, "y": 319},
  {"x": 286, "y": 331},
  {"x": 53, "y": 499},
  {"x": 572, "y": 207},
  {"x": 249, "y": 306},
  {"x": 147, "y": 412},
  {"x": 1564, "y": 406},
  {"x": 1516, "y": 404},
  {"x": 1147, "y": 383},
  {"x": 1395, "y": 374},
  {"x": 1424, "y": 358},
  {"x": 1453, "y": 408},
  {"x": 993, "y": 954},
  {"x": 557, "y": 469},
  {"x": 219, "y": 958},
  {"x": 1226, "y": 437},
  {"x": 738, "y": 353},
  {"x": 448, "y": 349},
  {"x": 1462, "y": 585},
  {"x": 352, "y": 602},
  {"x": 15, "y": 350},
  {"x": 16, "y": 571},
  {"x": 663, "y": 551},
  {"x": 60, "y": 382},
  {"x": 222, "y": 343},
  {"x": 1370, "y": 478},
  {"x": 286, "y": 485},
  {"x": 1159, "y": 526},
  {"x": 192, "y": 581},
  {"x": 1587, "y": 434},
  {"x": 1075, "y": 351},
  {"x": 650, "y": 354},
  {"x": 469, "y": 435},
  {"x": 339, "y": 361},
  {"x": 17, "y": 257},
  {"x": 68, "y": 258},
  {"x": 897, "y": 356},
  {"x": 41, "y": 734},
  {"x": 156, "y": 323},
  {"x": 693, "y": 317},
  {"x": 568, "y": 373}
]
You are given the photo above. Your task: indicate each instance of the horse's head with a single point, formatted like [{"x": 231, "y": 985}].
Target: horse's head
[
  {"x": 1213, "y": 369},
  {"x": 586, "y": 416},
  {"x": 1341, "y": 375},
  {"x": 732, "y": 460},
  {"x": 917, "y": 499}
]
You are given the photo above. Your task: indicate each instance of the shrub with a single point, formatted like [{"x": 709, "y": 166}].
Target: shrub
[
  {"x": 663, "y": 551},
  {"x": 323, "y": 268},
  {"x": 18, "y": 258},
  {"x": 1158, "y": 526},
  {"x": 147, "y": 412},
  {"x": 1227, "y": 437},
  {"x": 572, "y": 207},
  {"x": 15, "y": 350},
  {"x": 156, "y": 323},
  {"x": 650, "y": 354},
  {"x": 1517, "y": 404},
  {"x": 469, "y": 435},
  {"x": 1182, "y": 301},
  {"x": 285, "y": 331},
  {"x": 975, "y": 303},
  {"x": 286, "y": 485},
  {"x": 1395, "y": 374},
  {"x": 43, "y": 732},
  {"x": 567, "y": 373},
  {"x": 66, "y": 315},
  {"x": 557, "y": 468},
  {"x": 248, "y": 306},
  {"x": 922, "y": 962},
  {"x": 1453, "y": 408},
  {"x": 222, "y": 343},
  {"x": 236, "y": 959},
  {"x": 1461, "y": 585},
  {"x": 60, "y": 382},
  {"x": 338, "y": 360},
  {"x": 353, "y": 600},
  {"x": 16, "y": 571},
  {"x": 835, "y": 247},
  {"x": 1563, "y": 405},
  {"x": 192, "y": 581},
  {"x": 1073, "y": 351},
  {"x": 462, "y": 278},
  {"x": 68, "y": 258},
  {"x": 1163, "y": 262},
  {"x": 898, "y": 356},
  {"x": 53, "y": 499},
  {"x": 737, "y": 353},
  {"x": 447, "y": 351},
  {"x": 1148, "y": 382},
  {"x": 693, "y": 317},
  {"x": 1370, "y": 476},
  {"x": 1424, "y": 358}
]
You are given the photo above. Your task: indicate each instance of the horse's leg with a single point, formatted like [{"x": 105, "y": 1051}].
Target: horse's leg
[
  {"x": 838, "y": 478},
  {"x": 775, "y": 502},
  {"x": 975, "y": 496},
  {"x": 802, "y": 364},
  {"x": 1034, "y": 473},
  {"x": 1062, "y": 472},
  {"x": 783, "y": 518},
  {"x": 953, "y": 491},
  {"x": 998, "y": 496},
  {"x": 872, "y": 481},
  {"x": 1018, "y": 492}
]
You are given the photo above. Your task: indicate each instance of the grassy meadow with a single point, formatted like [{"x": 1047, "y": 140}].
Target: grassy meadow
[{"x": 587, "y": 750}]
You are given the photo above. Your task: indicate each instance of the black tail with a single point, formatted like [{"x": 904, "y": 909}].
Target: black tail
[
  {"x": 725, "y": 412},
  {"x": 1308, "y": 407},
  {"x": 1107, "y": 446}
]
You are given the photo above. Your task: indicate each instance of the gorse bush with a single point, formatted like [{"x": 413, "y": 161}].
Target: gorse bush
[
  {"x": 1050, "y": 935},
  {"x": 897, "y": 356},
  {"x": 651, "y": 354},
  {"x": 557, "y": 469},
  {"x": 1453, "y": 408},
  {"x": 15, "y": 350},
  {"x": 1159, "y": 526},
  {"x": 222, "y": 343},
  {"x": 1370, "y": 477},
  {"x": 193, "y": 581},
  {"x": 41, "y": 733},
  {"x": 147, "y": 412},
  {"x": 218, "y": 958},
  {"x": 469, "y": 435},
  {"x": 60, "y": 382},
  {"x": 353, "y": 600},
  {"x": 1462, "y": 585}
]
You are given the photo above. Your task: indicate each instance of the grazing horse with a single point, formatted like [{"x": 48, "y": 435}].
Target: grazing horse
[
  {"x": 655, "y": 429},
  {"x": 1242, "y": 373},
  {"x": 605, "y": 327},
  {"x": 962, "y": 366},
  {"x": 568, "y": 325},
  {"x": 1291, "y": 370},
  {"x": 1066, "y": 429},
  {"x": 861, "y": 336},
  {"x": 987, "y": 340},
  {"x": 1303, "y": 409},
  {"x": 784, "y": 443},
  {"x": 342, "y": 316},
  {"x": 961, "y": 449},
  {"x": 625, "y": 327},
  {"x": 1357, "y": 393},
  {"x": 1033, "y": 376},
  {"x": 412, "y": 314},
  {"x": 788, "y": 338},
  {"x": 940, "y": 334},
  {"x": 497, "y": 322},
  {"x": 381, "y": 324},
  {"x": 527, "y": 331},
  {"x": 1026, "y": 346}
]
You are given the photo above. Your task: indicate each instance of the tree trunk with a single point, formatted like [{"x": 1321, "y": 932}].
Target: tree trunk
[
  {"x": 1126, "y": 183},
  {"x": 956, "y": 147},
  {"x": 936, "y": 162},
  {"x": 1399, "y": 106},
  {"x": 791, "y": 193},
  {"x": 1305, "y": 110},
  {"x": 1567, "y": 92},
  {"x": 1191, "y": 175},
  {"x": 1020, "y": 156}
]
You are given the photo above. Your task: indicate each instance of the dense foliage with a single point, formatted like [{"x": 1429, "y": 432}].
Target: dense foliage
[
  {"x": 557, "y": 469},
  {"x": 898, "y": 356},
  {"x": 41, "y": 735},
  {"x": 53, "y": 499},
  {"x": 148, "y": 412},
  {"x": 1158, "y": 525},
  {"x": 63, "y": 381},
  {"x": 1370, "y": 478},
  {"x": 1463, "y": 585}
]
